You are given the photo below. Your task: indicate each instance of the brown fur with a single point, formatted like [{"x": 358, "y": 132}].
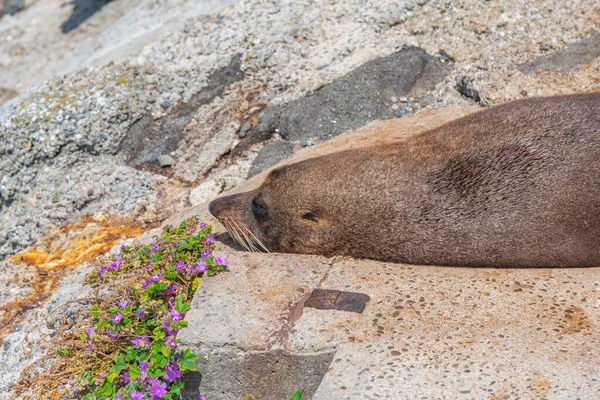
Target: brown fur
[{"x": 517, "y": 185}]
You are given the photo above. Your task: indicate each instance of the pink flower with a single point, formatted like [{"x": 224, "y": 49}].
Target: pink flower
[
  {"x": 117, "y": 318},
  {"x": 141, "y": 342},
  {"x": 157, "y": 389},
  {"x": 172, "y": 372},
  {"x": 171, "y": 290},
  {"x": 176, "y": 316},
  {"x": 221, "y": 261},
  {"x": 136, "y": 395},
  {"x": 171, "y": 342}
]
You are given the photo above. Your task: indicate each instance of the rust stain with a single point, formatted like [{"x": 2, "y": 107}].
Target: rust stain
[
  {"x": 76, "y": 243},
  {"x": 575, "y": 321},
  {"x": 61, "y": 250},
  {"x": 541, "y": 387}
]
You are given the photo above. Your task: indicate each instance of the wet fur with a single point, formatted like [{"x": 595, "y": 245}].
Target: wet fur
[{"x": 517, "y": 185}]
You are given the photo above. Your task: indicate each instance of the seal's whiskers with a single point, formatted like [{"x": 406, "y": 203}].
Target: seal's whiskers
[
  {"x": 243, "y": 236},
  {"x": 254, "y": 238},
  {"x": 234, "y": 233}
]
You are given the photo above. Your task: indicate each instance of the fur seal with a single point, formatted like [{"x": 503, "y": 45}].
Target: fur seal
[{"x": 515, "y": 185}]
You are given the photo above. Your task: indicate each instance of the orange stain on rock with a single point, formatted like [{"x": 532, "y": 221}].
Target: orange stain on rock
[
  {"x": 575, "y": 321},
  {"x": 77, "y": 243}
]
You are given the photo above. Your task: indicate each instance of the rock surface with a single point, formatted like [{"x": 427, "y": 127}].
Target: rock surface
[
  {"x": 354, "y": 100},
  {"x": 61, "y": 152}
]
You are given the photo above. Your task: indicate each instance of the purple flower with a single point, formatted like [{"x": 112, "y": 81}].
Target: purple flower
[
  {"x": 155, "y": 247},
  {"x": 119, "y": 397},
  {"x": 172, "y": 372},
  {"x": 117, "y": 318},
  {"x": 123, "y": 304},
  {"x": 157, "y": 389},
  {"x": 205, "y": 254},
  {"x": 113, "y": 334},
  {"x": 171, "y": 290},
  {"x": 171, "y": 342},
  {"x": 221, "y": 261},
  {"x": 202, "y": 226},
  {"x": 136, "y": 395},
  {"x": 208, "y": 239},
  {"x": 115, "y": 265},
  {"x": 143, "y": 366},
  {"x": 101, "y": 272},
  {"x": 140, "y": 313},
  {"x": 141, "y": 341},
  {"x": 90, "y": 331},
  {"x": 147, "y": 284},
  {"x": 91, "y": 345},
  {"x": 180, "y": 265},
  {"x": 125, "y": 377},
  {"x": 201, "y": 267},
  {"x": 176, "y": 316},
  {"x": 122, "y": 248}
]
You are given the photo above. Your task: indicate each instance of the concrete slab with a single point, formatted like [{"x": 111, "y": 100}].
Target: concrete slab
[
  {"x": 450, "y": 333},
  {"x": 427, "y": 332}
]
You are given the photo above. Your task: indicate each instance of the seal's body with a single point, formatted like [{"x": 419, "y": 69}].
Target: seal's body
[{"x": 517, "y": 185}]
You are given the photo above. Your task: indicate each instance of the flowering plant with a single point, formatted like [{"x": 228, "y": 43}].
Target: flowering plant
[{"x": 131, "y": 346}]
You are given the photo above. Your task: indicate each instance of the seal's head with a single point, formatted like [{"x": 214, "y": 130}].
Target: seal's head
[{"x": 299, "y": 208}]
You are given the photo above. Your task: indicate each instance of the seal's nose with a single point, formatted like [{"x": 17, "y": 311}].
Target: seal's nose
[{"x": 222, "y": 205}]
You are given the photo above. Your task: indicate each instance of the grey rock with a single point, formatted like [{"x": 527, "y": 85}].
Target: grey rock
[
  {"x": 270, "y": 154},
  {"x": 466, "y": 87},
  {"x": 147, "y": 138},
  {"x": 165, "y": 160},
  {"x": 567, "y": 59},
  {"x": 352, "y": 100},
  {"x": 244, "y": 129}
]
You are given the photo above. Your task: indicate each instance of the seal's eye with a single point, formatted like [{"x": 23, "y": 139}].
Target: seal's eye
[
  {"x": 311, "y": 216},
  {"x": 258, "y": 207}
]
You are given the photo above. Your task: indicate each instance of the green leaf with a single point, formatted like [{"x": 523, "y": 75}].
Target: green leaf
[
  {"x": 159, "y": 360},
  {"x": 297, "y": 395},
  {"x": 111, "y": 378},
  {"x": 187, "y": 361},
  {"x": 134, "y": 372},
  {"x": 66, "y": 352},
  {"x": 195, "y": 284},
  {"x": 184, "y": 245},
  {"x": 180, "y": 306},
  {"x": 176, "y": 388},
  {"x": 120, "y": 365},
  {"x": 159, "y": 333},
  {"x": 107, "y": 388}
]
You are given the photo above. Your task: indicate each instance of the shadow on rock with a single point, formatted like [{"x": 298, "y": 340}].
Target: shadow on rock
[
  {"x": 349, "y": 102},
  {"x": 82, "y": 10},
  {"x": 148, "y": 139}
]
